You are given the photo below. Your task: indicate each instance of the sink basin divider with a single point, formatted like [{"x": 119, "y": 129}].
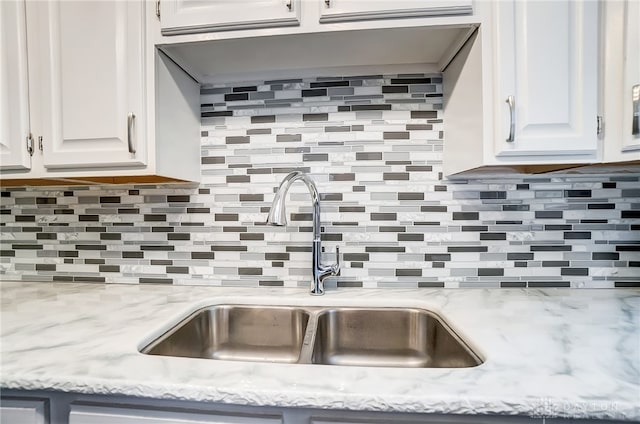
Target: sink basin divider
[{"x": 306, "y": 352}]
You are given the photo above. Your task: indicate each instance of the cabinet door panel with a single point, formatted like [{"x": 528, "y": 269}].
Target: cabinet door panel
[
  {"x": 352, "y": 10},
  {"x": 14, "y": 92},
  {"x": 191, "y": 16},
  {"x": 14, "y": 411},
  {"x": 90, "y": 64},
  {"x": 547, "y": 60},
  {"x": 631, "y": 90},
  {"x": 84, "y": 414}
]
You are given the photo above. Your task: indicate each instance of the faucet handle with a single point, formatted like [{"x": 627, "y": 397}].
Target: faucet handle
[{"x": 337, "y": 264}]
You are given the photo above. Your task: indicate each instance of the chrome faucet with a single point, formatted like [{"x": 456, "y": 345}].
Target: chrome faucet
[{"x": 278, "y": 216}]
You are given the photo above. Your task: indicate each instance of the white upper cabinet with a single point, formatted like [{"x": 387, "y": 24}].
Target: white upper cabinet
[
  {"x": 631, "y": 78},
  {"x": 103, "y": 105},
  {"x": 546, "y": 81},
  {"x": 191, "y": 16},
  {"x": 526, "y": 91},
  {"x": 198, "y": 16},
  {"x": 14, "y": 88},
  {"x": 622, "y": 81},
  {"x": 352, "y": 10},
  {"x": 87, "y": 61}
]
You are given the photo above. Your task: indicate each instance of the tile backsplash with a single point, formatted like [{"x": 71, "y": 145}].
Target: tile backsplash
[{"x": 373, "y": 144}]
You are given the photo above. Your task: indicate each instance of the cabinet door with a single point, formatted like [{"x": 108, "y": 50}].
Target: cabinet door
[
  {"x": 353, "y": 10},
  {"x": 546, "y": 63},
  {"x": 14, "y": 89},
  {"x": 631, "y": 81},
  {"x": 14, "y": 411},
  {"x": 86, "y": 58},
  {"x": 90, "y": 414},
  {"x": 191, "y": 16}
]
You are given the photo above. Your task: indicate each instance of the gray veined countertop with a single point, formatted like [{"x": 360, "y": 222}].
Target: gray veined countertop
[{"x": 558, "y": 352}]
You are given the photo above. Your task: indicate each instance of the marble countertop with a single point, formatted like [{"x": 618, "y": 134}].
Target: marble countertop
[{"x": 555, "y": 353}]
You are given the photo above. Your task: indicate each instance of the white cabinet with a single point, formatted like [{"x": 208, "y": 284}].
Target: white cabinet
[
  {"x": 195, "y": 16},
  {"x": 352, "y": 10},
  {"x": 87, "y": 64},
  {"x": 102, "y": 103},
  {"x": 631, "y": 80},
  {"x": 14, "y": 88},
  {"x": 85, "y": 414},
  {"x": 192, "y": 16},
  {"x": 526, "y": 90},
  {"x": 23, "y": 411},
  {"x": 546, "y": 80},
  {"x": 24, "y": 407},
  {"x": 622, "y": 81}
]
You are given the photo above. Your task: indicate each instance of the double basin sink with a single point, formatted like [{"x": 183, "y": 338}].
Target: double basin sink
[{"x": 377, "y": 337}]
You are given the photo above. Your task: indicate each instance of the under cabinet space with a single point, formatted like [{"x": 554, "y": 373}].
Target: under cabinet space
[{"x": 291, "y": 55}]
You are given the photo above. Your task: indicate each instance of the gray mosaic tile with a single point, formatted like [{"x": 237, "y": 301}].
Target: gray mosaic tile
[{"x": 373, "y": 144}]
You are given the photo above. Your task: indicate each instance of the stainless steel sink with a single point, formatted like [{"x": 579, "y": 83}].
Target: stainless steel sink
[
  {"x": 388, "y": 338},
  {"x": 378, "y": 337},
  {"x": 239, "y": 333}
]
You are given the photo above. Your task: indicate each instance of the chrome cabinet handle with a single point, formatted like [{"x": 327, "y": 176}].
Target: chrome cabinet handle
[
  {"x": 289, "y": 5},
  {"x": 130, "y": 118},
  {"x": 511, "y": 101},
  {"x": 635, "y": 120},
  {"x": 30, "y": 144}
]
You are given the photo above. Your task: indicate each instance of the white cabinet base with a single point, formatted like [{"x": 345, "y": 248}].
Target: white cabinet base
[
  {"x": 92, "y": 414},
  {"x": 24, "y": 411},
  {"x": 70, "y": 408}
]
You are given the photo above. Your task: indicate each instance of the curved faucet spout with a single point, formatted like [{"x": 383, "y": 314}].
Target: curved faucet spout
[
  {"x": 278, "y": 216},
  {"x": 278, "y": 213}
]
